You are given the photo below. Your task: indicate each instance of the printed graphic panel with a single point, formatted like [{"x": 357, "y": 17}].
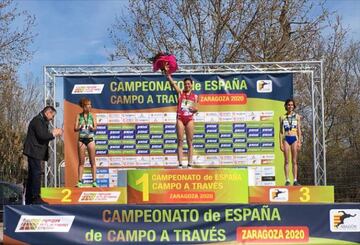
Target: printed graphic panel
[
  {"x": 87, "y": 195},
  {"x": 185, "y": 224},
  {"x": 237, "y": 123},
  {"x": 188, "y": 186},
  {"x": 291, "y": 194}
]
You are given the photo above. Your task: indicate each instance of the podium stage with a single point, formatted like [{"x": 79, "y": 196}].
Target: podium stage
[{"x": 185, "y": 206}]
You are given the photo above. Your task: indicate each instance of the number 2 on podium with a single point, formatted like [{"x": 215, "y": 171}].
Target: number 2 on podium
[
  {"x": 145, "y": 187},
  {"x": 67, "y": 196}
]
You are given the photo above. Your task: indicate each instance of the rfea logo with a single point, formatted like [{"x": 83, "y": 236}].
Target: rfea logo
[
  {"x": 278, "y": 195},
  {"x": 264, "y": 86},
  {"x": 96, "y": 196},
  {"x": 44, "y": 223},
  {"x": 87, "y": 89}
]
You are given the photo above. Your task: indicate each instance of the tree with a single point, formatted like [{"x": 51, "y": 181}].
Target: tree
[
  {"x": 216, "y": 31},
  {"x": 16, "y": 102},
  {"x": 14, "y": 39},
  {"x": 254, "y": 31}
]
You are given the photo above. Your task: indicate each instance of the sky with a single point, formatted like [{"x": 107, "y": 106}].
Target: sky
[
  {"x": 70, "y": 32},
  {"x": 75, "y": 32}
]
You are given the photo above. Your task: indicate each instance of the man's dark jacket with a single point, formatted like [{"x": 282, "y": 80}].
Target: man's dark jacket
[{"x": 37, "y": 138}]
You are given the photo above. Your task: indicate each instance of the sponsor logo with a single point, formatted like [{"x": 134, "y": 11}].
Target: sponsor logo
[
  {"x": 237, "y": 150},
  {"x": 169, "y": 126},
  {"x": 156, "y": 146},
  {"x": 103, "y": 196},
  {"x": 45, "y": 223},
  {"x": 264, "y": 86},
  {"x": 278, "y": 195},
  {"x": 199, "y": 145},
  {"x": 212, "y": 150},
  {"x": 144, "y": 127},
  {"x": 142, "y": 151},
  {"x": 211, "y": 130},
  {"x": 169, "y": 151},
  {"x": 87, "y": 89},
  {"x": 345, "y": 220},
  {"x": 170, "y": 141},
  {"x": 226, "y": 135}
]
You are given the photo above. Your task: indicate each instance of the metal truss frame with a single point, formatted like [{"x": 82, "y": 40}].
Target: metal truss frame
[{"x": 313, "y": 68}]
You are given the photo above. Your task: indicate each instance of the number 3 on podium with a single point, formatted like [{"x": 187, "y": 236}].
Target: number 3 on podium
[{"x": 305, "y": 191}]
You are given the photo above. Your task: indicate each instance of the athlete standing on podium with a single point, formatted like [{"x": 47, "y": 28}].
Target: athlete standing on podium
[
  {"x": 187, "y": 107},
  {"x": 290, "y": 139},
  {"x": 85, "y": 124}
]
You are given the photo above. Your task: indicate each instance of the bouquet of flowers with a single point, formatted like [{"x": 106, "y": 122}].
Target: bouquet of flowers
[{"x": 162, "y": 60}]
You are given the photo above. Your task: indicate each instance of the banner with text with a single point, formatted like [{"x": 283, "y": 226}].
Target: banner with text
[
  {"x": 184, "y": 186},
  {"x": 183, "y": 224},
  {"x": 237, "y": 123}
]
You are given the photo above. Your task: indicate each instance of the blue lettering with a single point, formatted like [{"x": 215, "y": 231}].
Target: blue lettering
[
  {"x": 239, "y": 140},
  {"x": 253, "y": 135},
  {"x": 239, "y": 130},
  {"x": 211, "y": 150},
  {"x": 112, "y": 147},
  {"x": 250, "y": 145},
  {"x": 142, "y": 151},
  {"x": 239, "y": 125},
  {"x": 143, "y": 126},
  {"x": 212, "y": 130},
  {"x": 225, "y": 135},
  {"x": 239, "y": 150},
  {"x": 142, "y": 141},
  {"x": 114, "y": 137},
  {"x": 169, "y": 151},
  {"x": 156, "y": 146},
  {"x": 156, "y": 136},
  {"x": 170, "y": 141},
  {"x": 169, "y": 126}
]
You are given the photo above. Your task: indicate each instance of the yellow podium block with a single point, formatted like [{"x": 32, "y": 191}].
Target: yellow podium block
[
  {"x": 291, "y": 194},
  {"x": 73, "y": 195}
]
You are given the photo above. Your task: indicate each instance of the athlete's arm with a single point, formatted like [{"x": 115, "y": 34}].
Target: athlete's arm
[
  {"x": 194, "y": 108},
  {"x": 281, "y": 132},
  {"x": 77, "y": 127},
  {"x": 299, "y": 133}
]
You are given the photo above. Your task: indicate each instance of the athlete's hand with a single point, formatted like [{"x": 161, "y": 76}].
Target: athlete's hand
[
  {"x": 166, "y": 68},
  {"x": 299, "y": 146},
  {"x": 193, "y": 109},
  {"x": 282, "y": 147}
]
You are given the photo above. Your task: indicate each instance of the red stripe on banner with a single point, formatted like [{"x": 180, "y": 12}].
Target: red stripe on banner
[
  {"x": 222, "y": 99},
  {"x": 272, "y": 234}
]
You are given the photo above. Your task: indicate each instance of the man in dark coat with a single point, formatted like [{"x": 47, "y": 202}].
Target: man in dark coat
[{"x": 36, "y": 148}]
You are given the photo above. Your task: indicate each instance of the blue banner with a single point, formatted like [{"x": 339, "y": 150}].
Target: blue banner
[
  {"x": 152, "y": 91},
  {"x": 183, "y": 224}
]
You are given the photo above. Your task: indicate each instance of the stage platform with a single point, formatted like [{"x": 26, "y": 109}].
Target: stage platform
[{"x": 185, "y": 206}]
